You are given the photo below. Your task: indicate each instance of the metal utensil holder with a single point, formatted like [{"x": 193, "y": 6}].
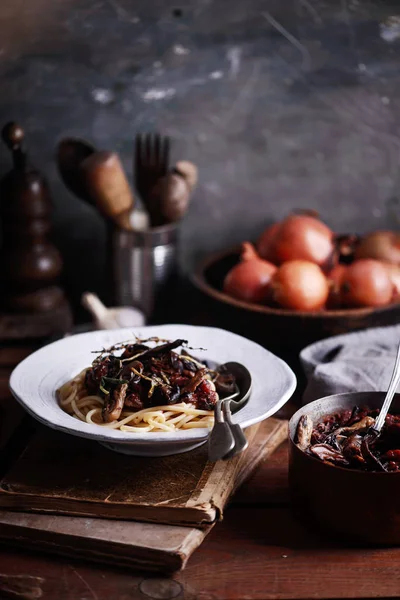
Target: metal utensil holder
[{"x": 145, "y": 268}]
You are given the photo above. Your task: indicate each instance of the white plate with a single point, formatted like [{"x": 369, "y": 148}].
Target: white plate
[{"x": 35, "y": 380}]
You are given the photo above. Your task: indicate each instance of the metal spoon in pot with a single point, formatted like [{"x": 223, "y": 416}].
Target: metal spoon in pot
[
  {"x": 227, "y": 438},
  {"x": 375, "y": 430}
]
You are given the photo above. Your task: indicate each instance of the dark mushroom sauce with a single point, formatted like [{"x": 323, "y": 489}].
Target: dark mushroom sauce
[
  {"x": 340, "y": 439},
  {"x": 136, "y": 376}
]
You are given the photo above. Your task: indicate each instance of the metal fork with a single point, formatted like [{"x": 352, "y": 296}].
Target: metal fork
[
  {"x": 151, "y": 162},
  {"x": 240, "y": 439}
]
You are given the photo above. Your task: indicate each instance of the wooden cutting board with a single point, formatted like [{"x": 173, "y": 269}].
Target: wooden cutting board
[{"x": 147, "y": 545}]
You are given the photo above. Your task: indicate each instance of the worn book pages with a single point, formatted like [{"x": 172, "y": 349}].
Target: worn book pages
[
  {"x": 61, "y": 474},
  {"x": 143, "y": 545}
]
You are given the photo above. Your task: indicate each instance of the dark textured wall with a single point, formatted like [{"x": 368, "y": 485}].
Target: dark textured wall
[{"x": 290, "y": 104}]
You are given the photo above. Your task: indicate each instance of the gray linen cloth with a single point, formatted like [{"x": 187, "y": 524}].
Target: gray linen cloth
[{"x": 354, "y": 362}]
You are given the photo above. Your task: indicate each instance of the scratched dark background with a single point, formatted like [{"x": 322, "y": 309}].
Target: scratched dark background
[{"x": 282, "y": 104}]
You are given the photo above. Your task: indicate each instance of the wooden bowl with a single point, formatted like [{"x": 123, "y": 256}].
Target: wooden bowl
[
  {"x": 353, "y": 506},
  {"x": 285, "y": 332}
]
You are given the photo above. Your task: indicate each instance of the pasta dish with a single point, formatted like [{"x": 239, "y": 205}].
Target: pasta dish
[{"x": 146, "y": 386}]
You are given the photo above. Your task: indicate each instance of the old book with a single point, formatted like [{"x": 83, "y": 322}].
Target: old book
[
  {"x": 61, "y": 474},
  {"x": 143, "y": 545}
]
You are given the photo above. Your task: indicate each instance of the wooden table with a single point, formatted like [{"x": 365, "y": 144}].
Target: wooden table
[{"x": 258, "y": 552}]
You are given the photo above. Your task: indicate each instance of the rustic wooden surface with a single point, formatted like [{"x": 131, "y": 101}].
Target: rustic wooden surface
[{"x": 258, "y": 552}]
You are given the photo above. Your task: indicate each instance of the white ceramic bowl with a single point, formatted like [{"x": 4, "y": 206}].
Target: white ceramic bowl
[{"x": 35, "y": 380}]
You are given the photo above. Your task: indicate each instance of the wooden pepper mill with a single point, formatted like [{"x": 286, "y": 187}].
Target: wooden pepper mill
[{"x": 30, "y": 264}]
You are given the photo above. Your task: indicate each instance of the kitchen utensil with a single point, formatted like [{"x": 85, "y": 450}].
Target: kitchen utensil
[
  {"x": 227, "y": 438},
  {"x": 151, "y": 162},
  {"x": 145, "y": 268},
  {"x": 69, "y": 156},
  {"x": 35, "y": 380},
  {"x": 111, "y": 318},
  {"x": 169, "y": 199},
  {"x": 285, "y": 332},
  {"x": 108, "y": 186},
  {"x": 243, "y": 377},
  {"x": 351, "y": 505},
  {"x": 394, "y": 382},
  {"x": 188, "y": 171},
  {"x": 375, "y": 430},
  {"x": 237, "y": 432},
  {"x": 221, "y": 439}
]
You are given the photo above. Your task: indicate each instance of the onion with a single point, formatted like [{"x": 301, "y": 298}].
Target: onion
[
  {"x": 345, "y": 246},
  {"x": 336, "y": 275},
  {"x": 381, "y": 245},
  {"x": 366, "y": 282},
  {"x": 299, "y": 285},
  {"x": 265, "y": 245},
  {"x": 249, "y": 280},
  {"x": 394, "y": 274},
  {"x": 298, "y": 237},
  {"x": 335, "y": 278}
]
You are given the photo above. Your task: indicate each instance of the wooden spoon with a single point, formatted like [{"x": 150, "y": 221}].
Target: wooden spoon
[
  {"x": 108, "y": 186},
  {"x": 71, "y": 152}
]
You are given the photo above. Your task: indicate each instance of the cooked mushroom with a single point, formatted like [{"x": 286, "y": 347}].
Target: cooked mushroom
[
  {"x": 144, "y": 377},
  {"x": 352, "y": 448},
  {"x": 195, "y": 381},
  {"x": 225, "y": 383},
  {"x": 328, "y": 454},
  {"x": 355, "y": 446},
  {"x": 365, "y": 423},
  {"x": 114, "y": 403},
  {"x": 304, "y": 432}
]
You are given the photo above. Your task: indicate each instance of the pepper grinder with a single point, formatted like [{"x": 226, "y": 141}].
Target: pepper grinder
[{"x": 30, "y": 265}]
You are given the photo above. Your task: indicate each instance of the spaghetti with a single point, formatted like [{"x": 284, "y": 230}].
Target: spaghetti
[{"x": 145, "y": 389}]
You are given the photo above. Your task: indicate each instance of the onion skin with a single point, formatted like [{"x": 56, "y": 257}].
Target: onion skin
[
  {"x": 299, "y": 285},
  {"x": 366, "y": 283},
  {"x": 249, "y": 280},
  {"x": 337, "y": 274},
  {"x": 345, "y": 247},
  {"x": 335, "y": 278},
  {"x": 298, "y": 237},
  {"x": 265, "y": 244},
  {"x": 394, "y": 274},
  {"x": 380, "y": 245}
]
